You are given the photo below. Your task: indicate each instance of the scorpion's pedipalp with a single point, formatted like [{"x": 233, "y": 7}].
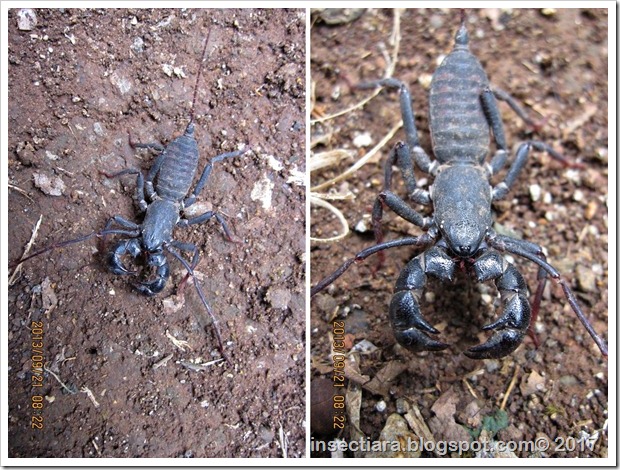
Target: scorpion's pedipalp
[
  {"x": 514, "y": 322},
  {"x": 513, "y": 246},
  {"x": 499, "y": 345},
  {"x": 162, "y": 273},
  {"x": 409, "y": 326},
  {"x": 129, "y": 246}
]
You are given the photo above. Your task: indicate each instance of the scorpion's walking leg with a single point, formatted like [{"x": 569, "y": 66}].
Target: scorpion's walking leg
[
  {"x": 401, "y": 156},
  {"x": 195, "y": 259},
  {"x": 505, "y": 97},
  {"x": 489, "y": 105},
  {"x": 410, "y": 328},
  {"x": 157, "y": 164},
  {"x": 491, "y": 111},
  {"x": 514, "y": 322},
  {"x": 139, "y": 196},
  {"x": 199, "y": 219},
  {"x": 541, "y": 146},
  {"x": 421, "y": 157},
  {"x": 207, "y": 172},
  {"x": 515, "y": 169}
]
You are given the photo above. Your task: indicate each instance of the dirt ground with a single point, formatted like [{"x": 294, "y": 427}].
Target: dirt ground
[
  {"x": 555, "y": 62},
  {"x": 78, "y": 82}
]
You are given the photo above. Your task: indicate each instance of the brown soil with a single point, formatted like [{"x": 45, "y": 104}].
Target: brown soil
[
  {"x": 78, "y": 83},
  {"x": 555, "y": 63}
]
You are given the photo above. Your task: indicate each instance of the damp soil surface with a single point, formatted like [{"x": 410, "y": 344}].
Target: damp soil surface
[
  {"x": 115, "y": 373},
  {"x": 555, "y": 64}
]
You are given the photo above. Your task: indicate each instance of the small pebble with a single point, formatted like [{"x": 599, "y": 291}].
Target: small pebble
[
  {"x": 568, "y": 380},
  {"x": 586, "y": 280},
  {"x": 138, "y": 45},
  {"x": 278, "y": 298},
  {"x": 436, "y": 21},
  {"x": 602, "y": 153},
  {"x": 535, "y": 192},
  {"x": 52, "y": 186},
  {"x": 590, "y": 211},
  {"x": 98, "y": 128},
  {"x": 26, "y": 19},
  {"x": 362, "y": 226},
  {"x": 362, "y": 140},
  {"x": 381, "y": 406},
  {"x": 425, "y": 80},
  {"x": 491, "y": 365},
  {"x": 578, "y": 195}
]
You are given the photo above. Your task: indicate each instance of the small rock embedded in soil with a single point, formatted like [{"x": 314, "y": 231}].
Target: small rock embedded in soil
[
  {"x": 586, "y": 279},
  {"x": 262, "y": 192},
  {"x": 535, "y": 192},
  {"x": 362, "y": 140},
  {"x": 99, "y": 129},
  {"x": 337, "y": 16},
  {"x": 138, "y": 45},
  {"x": 26, "y": 19},
  {"x": 52, "y": 186},
  {"x": 278, "y": 298}
]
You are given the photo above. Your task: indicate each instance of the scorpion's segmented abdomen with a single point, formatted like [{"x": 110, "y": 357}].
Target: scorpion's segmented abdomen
[
  {"x": 459, "y": 128},
  {"x": 177, "y": 172}
]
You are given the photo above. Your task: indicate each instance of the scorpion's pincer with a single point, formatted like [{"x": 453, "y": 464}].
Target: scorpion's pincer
[
  {"x": 130, "y": 246},
  {"x": 157, "y": 260}
]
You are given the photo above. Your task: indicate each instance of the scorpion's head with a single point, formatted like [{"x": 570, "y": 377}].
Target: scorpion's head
[{"x": 464, "y": 237}]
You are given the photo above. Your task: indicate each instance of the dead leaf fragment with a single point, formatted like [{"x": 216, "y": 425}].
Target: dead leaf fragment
[
  {"x": 48, "y": 297},
  {"x": 532, "y": 383},
  {"x": 401, "y": 442},
  {"x": 443, "y": 425}
]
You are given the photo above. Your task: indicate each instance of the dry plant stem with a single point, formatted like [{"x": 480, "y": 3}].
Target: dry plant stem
[
  {"x": 389, "y": 70},
  {"x": 343, "y": 222},
  {"x": 511, "y": 385},
  {"x": 27, "y": 249},
  {"x": 59, "y": 381},
  {"x": 362, "y": 161},
  {"x": 329, "y": 158},
  {"x": 21, "y": 191}
]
